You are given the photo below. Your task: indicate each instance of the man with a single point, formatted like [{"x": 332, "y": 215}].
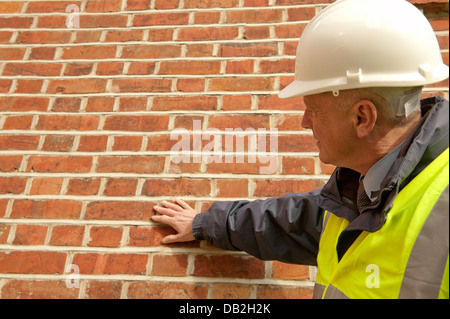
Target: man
[{"x": 379, "y": 227}]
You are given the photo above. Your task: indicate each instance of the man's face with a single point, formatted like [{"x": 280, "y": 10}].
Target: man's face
[{"x": 331, "y": 127}]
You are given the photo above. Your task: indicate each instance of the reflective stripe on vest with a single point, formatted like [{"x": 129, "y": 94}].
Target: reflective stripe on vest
[{"x": 406, "y": 258}]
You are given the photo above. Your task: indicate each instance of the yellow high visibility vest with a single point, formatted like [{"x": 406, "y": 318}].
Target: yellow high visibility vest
[{"x": 406, "y": 258}]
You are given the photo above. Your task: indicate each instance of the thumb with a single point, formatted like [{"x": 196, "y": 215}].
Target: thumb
[{"x": 170, "y": 239}]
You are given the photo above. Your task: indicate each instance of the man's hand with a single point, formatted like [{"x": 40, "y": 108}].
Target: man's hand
[{"x": 179, "y": 216}]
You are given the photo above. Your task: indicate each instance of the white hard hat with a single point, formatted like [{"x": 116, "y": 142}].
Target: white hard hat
[{"x": 366, "y": 43}]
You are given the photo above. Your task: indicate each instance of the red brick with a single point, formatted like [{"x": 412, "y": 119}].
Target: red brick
[
  {"x": 257, "y": 32},
  {"x": 277, "y": 66},
  {"x": 32, "y": 262},
  {"x": 20, "y": 122},
  {"x": 120, "y": 187},
  {"x": 204, "y": 4},
  {"x": 58, "y": 143},
  {"x": 127, "y": 143},
  {"x": 103, "y": 6},
  {"x": 109, "y": 68},
  {"x": 30, "y": 235},
  {"x": 157, "y": 35},
  {"x": 301, "y": 13},
  {"x": 83, "y": 186},
  {"x": 207, "y": 17},
  {"x": 169, "y": 265},
  {"x": 243, "y": 122},
  {"x": 131, "y": 164},
  {"x": 11, "y": 7},
  {"x": 236, "y": 102},
  {"x": 19, "y": 142},
  {"x": 254, "y": 16},
  {"x": 287, "y": 122},
  {"x": 78, "y": 86},
  {"x": 23, "y": 104},
  {"x": 66, "y": 104},
  {"x": 44, "y": 37},
  {"x": 190, "y": 67},
  {"x": 12, "y": 53},
  {"x": 66, "y": 235},
  {"x": 42, "y": 53},
  {"x": 131, "y": 104},
  {"x": 247, "y": 167},
  {"x": 51, "y": 21},
  {"x": 102, "y": 236},
  {"x": 12, "y": 185},
  {"x": 59, "y": 164},
  {"x": 138, "y": 4},
  {"x": 141, "y": 85},
  {"x": 284, "y": 292},
  {"x": 10, "y": 163},
  {"x": 145, "y": 123},
  {"x": 166, "y": 290},
  {"x": 142, "y": 68},
  {"x": 38, "y": 289},
  {"x": 103, "y": 21},
  {"x": 5, "y": 36},
  {"x": 166, "y": 4},
  {"x": 176, "y": 187},
  {"x": 289, "y": 271},
  {"x": 210, "y": 34},
  {"x": 46, "y": 186},
  {"x": 256, "y": 3},
  {"x": 28, "y": 86},
  {"x": 158, "y": 19},
  {"x": 191, "y": 85},
  {"x": 112, "y": 210},
  {"x": 244, "y": 67},
  {"x": 199, "y": 50},
  {"x": 231, "y": 291},
  {"x": 59, "y": 209},
  {"x": 167, "y": 103},
  {"x": 236, "y": 84},
  {"x": 103, "y": 289},
  {"x": 100, "y": 104},
  {"x": 151, "y": 51},
  {"x": 32, "y": 68},
  {"x": 228, "y": 266},
  {"x": 89, "y": 52},
  {"x": 74, "y": 69},
  {"x": 299, "y": 166},
  {"x": 273, "y": 102},
  {"x": 296, "y": 143},
  {"x": 50, "y": 6},
  {"x": 4, "y": 229},
  {"x": 5, "y": 86},
  {"x": 248, "y": 49},
  {"x": 93, "y": 143},
  {"x": 67, "y": 122},
  {"x": 290, "y": 31},
  {"x": 93, "y": 263},
  {"x": 232, "y": 188}
]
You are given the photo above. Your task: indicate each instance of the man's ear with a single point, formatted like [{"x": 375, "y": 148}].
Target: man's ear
[{"x": 364, "y": 117}]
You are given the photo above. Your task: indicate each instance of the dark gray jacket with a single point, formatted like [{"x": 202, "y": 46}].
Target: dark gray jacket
[{"x": 288, "y": 228}]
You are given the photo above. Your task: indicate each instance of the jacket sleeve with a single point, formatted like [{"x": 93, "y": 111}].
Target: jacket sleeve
[{"x": 286, "y": 228}]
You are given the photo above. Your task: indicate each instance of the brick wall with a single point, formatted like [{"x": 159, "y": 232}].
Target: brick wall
[{"x": 88, "y": 107}]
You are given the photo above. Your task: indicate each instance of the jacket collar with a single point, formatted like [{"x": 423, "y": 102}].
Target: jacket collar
[{"x": 429, "y": 139}]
